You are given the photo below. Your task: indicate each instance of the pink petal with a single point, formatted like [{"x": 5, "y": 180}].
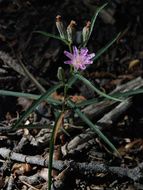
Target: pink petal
[
  {"x": 80, "y": 59},
  {"x": 82, "y": 67},
  {"x": 88, "y": 62},
  {"x": 91, "y": 55},
  {"x": 68, "y": 62},
  {"x": 69, "y": 55},
  {"x": 75, "y": 51},
  {"x": 84, "y": 51}
]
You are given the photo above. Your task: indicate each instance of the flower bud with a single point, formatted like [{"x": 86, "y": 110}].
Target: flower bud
[
  {"x": 60, "y": 27},
  {"x": 71, "y": 31},
  {"x": 61, "y": 74},
  {"x": 85, "y": 31}
]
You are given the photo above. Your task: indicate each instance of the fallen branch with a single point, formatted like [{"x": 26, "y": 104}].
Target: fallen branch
[
  {"x": 36, "y": 160},
  {"x": 80, "y": 169},
  {"x": 112, "y": 116}
]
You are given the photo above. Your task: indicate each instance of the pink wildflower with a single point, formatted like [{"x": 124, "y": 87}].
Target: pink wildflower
[{"x": 80, "y": 58}]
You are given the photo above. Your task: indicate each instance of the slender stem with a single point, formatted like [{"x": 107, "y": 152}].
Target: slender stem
[
  {"x": 28, "y": 74},
  {"x": 52, "y": 143},
  {"x": 64, "y": 81},
  {"x": 70, "y": 47},
  {"x": 33, "y": 79},
  {"x": 65, "y": 84}
]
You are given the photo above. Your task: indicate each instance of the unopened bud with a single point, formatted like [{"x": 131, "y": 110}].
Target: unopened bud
[
  {"x": 71, "y": 31},
  {"x": 61, "y": 74},
  {"x": 60, "y": 27},
  {"x": 85, "y": 31}
]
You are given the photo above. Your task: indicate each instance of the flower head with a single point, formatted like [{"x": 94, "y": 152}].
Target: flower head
[
  {"x": 60, "y": 27},
  {"x": 71, "y": 31},
  {"x": 80, "y": 59}
]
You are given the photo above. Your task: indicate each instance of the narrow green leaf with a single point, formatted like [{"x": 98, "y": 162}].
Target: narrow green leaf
[
  {"x": 19, "y": 94},
  {"x": 102, "y": 50},
  {"x": 29, "y": 96},
  {"x": 93, "y": 126},
  {"x": 31, "y": 77},
  {"x": 52, "y": 140},
  {"x": 81, "y": 104},
  {"x": 116, "y": 95},
  {"x": 36, "y": 103},
  {"x": 71, "y": 81},
  {"x": 87, "y": 82},
  {"x": 52, "y": 36},
  {"x": 87, "y": 102},
  {"x": 98, "y": 10},
  {"x": 129, "y": 93}
]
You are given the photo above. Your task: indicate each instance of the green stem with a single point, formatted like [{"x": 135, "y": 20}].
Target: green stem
[
  {"x": 66, "y": 86},
  {"x": 70, "y": 47},
  {"x": 51, "y": 152},
  {"x": 32, "y": 78}
]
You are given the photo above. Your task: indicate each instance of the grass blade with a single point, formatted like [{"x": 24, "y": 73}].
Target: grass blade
[
  {"x": 87, "y": 102},
  {"x": 98, "y": 10},
  {"x": 102, "y": 50},
  {"x": 81, "y": 104},
  {"x": 116, "y": 95},
  {"x": 52, "y": 36},
  {"x": 18, "y": 94},
  {"x": 129, "y": 93},
  {"x": 93, "y": 127},
  {"x": 36, "y": 103},
  {"x": 87, "y": 82},
  {"x": 31, "y": 77},
  {"x": 71, "y": 81},
  {"x": 29, "y": 96}
]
